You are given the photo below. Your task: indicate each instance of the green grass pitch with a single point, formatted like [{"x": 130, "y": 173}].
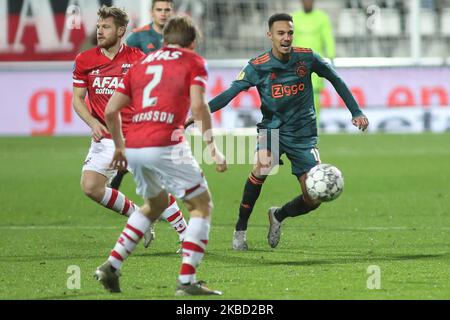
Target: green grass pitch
[{"x": 394, "y": 214}]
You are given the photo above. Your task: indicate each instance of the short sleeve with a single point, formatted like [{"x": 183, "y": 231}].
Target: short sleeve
[
  {"x": 124, "y": 86},
  {"x": 199, "y": 74},
  {"x": 80, "y": 76}
]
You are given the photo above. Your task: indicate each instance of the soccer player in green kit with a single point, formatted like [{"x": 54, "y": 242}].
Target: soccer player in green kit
[
  {"x": 282, "y": 77},
  {"x": 148, "y": 38}
]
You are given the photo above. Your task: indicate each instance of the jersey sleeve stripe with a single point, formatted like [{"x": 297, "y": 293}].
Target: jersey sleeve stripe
[
  {"x": 256, "y": 62},
  {"x": 198, "y": 83},
  {"x": 198, "y": 78},
  {"x": 302, "y": 50},
  {"x": 79, "y": 81}
]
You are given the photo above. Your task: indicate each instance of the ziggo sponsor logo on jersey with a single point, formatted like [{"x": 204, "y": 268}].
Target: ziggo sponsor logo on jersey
[
  {"x": 106, "y": 85},
  {"x": 280, "y": 91}
]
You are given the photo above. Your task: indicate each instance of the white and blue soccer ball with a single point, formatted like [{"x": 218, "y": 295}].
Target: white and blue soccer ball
[{"x": 324, "y": 182}]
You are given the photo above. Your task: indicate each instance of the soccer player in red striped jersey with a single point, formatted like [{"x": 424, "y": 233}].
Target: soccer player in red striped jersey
[
  {"x": 161, "y": 88},
  {"x": 97, "y": 73}
]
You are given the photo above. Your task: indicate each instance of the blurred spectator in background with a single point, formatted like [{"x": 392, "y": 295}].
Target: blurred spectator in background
[
  {"x": 89, "y": 42},
  {"x": 194, "y": 8},
  {"x": 149, "y": 37},
  {"x": 312, "y": 29}
]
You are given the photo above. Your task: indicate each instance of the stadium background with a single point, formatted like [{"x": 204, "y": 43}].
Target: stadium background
[
  {"x": 405, "y": 50},
  {"x": 394, "y": 55}
]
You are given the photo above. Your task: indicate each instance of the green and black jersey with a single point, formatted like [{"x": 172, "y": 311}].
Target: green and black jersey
[
  {"x": 286, "y": 92},
  {"x": 145, "y": 38}
]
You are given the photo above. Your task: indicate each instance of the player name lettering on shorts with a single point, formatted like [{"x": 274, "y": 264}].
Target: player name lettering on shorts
[{"x": 154, "y": 116}]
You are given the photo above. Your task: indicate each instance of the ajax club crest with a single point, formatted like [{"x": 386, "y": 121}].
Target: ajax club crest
[{"x": 301, "y": 69}]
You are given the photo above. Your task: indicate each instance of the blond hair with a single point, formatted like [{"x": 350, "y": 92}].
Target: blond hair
[
  {"x": 119, "y": 15},
  {"x": 180, "y": 30}
]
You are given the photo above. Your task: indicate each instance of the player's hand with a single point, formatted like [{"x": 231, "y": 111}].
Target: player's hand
[
  {"x": 219, "y": 159},
  {"x": 119, "y": 160},
  {"x": 188, "y": 122},
  {"x": 98, "y": 131},
  {"x": 361, "y": 122}
]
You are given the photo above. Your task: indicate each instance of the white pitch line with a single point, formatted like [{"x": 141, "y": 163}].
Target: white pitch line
[
  {"x": 221, "y": 226},
  {"x": 401, "y": 228},
  {"x": 56, "y": 227}
]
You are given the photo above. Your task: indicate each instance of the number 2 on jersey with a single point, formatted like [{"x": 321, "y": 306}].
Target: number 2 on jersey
[{"x": 147, "y": 100}]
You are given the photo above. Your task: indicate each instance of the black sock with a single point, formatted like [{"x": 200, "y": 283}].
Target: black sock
[
  {"x": 117, "y": 180},
  {"x": 296, "y": 207},
  {"x": 252, "y": 190}
]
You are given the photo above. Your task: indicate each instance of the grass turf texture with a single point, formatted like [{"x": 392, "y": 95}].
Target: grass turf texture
[{"x": 394, "y": 213}]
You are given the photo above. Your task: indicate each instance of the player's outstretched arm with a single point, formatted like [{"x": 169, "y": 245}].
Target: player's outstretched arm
[
  {"x": 218, "y": 102},
  {"x": 114, "y": 123},
  {"x": 80, "y": 107},
  {"x": 246, "y": 79},
  {"x": 202, "y": 118},
  {"x": 224, "y": 98},
  {"x": 324, "y": 70}
]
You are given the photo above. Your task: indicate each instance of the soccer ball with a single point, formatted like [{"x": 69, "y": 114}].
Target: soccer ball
[{"x": 324, "y": 182}]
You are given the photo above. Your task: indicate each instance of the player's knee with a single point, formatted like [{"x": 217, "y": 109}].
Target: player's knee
[
  {"x": 205, "y": 208},
  {"x": 209, "y": 206},
  {"x": 200, "y": 206},
  {"x": 92, "y": 190},
  {"x": 259, "y": 174},
  {"x": 261, "y": 170}
]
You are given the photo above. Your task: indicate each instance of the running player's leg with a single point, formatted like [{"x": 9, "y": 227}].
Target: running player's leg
[
  {"x": 95, "y": 175},
  {"x": 194, "y": 245},
  {"x": 93, "y": 185},
  {"x": 252, "y": 190},
  {"x": 137, "y": 225},
  {"x": 149, "y": 186},
  {"x": 265, "y": 161},
  {"x": 183, "y": 178},
  {"x": 302, "y": 160},
  {"x": 172, "y": 214},
  {"x": 175, "y": 217}
]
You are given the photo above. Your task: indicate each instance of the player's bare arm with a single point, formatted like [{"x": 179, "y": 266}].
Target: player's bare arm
[
  {"x": 112, "y": 117},
  {"x": 202, "y": 118},
  {"x": 79, "y": 104}
]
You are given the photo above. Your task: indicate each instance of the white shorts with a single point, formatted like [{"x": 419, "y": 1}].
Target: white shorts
[
  {"x": 171, "y": 168},
  {"x": 99, "y": 158}
]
